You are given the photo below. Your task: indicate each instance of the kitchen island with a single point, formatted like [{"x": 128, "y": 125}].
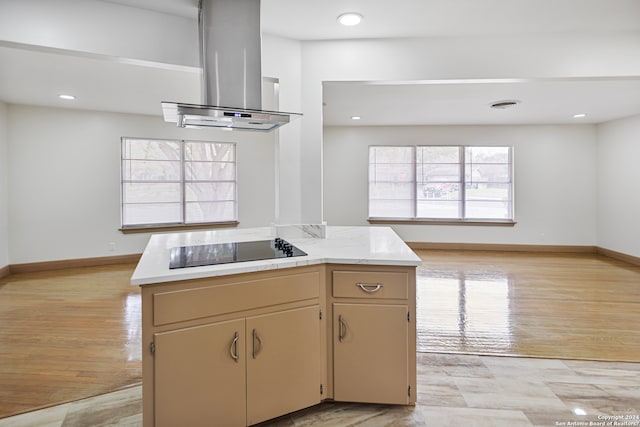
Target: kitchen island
[{"x": 241, "y": 343}]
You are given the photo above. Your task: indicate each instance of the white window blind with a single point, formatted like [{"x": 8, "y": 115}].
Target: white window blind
[
  {"x": 173, "y": 182},
  {"x": 392, "y": 182},
  {"x": 441, "y": 182}
]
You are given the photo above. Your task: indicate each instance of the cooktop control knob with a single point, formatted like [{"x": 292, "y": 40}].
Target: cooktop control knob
[
  {"x": 282, "y": 245},
  {"x": 278, "y": 242}
]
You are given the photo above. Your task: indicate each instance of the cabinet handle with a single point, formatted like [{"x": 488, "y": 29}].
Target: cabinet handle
[
  {"x": 341, "y": 328},
  {"x": 365, "y": 287},
  {"x": 256, "y": 349},
  {"x": 233, "y": 350}
]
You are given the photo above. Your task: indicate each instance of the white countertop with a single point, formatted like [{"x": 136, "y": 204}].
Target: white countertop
[{"x": 343, "y": 245}]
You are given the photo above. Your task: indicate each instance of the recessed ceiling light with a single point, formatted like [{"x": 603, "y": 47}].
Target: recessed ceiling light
[
  {"x": 350, "y": 19},
  {"x": 355, "y": 117},
  {"x": 507, "y": 103},
  {"x": 579, "y": 116},
  {"x": 66, "y": 97}
]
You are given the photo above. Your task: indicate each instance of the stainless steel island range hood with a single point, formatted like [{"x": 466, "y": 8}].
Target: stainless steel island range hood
[{"x": 230, "y": 55}]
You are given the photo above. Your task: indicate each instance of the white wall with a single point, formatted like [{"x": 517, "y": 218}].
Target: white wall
[
  {"x": 281, "y": 58},
  {"x": 530, "y": 56},
  {"x": 4, "y": 188},
  {"x": 64, "y": 192},
  {"x": 555, "y": 180},
  {"x": 102, "y": 27},
  {"x": 78, "y": 218},
  {"x": 618, "y": 181},
  {"x": 301, "y": 68}
]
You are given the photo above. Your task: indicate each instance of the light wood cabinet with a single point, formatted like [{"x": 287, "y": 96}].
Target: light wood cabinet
[
  {"x": 371, "y": 284},
  {"x": 197, "y": 378},
  {"x": 232, "y": 351},
  {"x": 239, "y": 372},
  {"x": 373, "y": 332},
  {"x": 283, "y": 363},
  {"x": 370, "y": 354},
  {"x": 238, "y": 350}
]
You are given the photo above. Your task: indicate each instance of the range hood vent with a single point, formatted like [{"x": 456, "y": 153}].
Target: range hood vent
[
  {"x": 231, "y": 59},
  {"x": 206, "y": 116}
]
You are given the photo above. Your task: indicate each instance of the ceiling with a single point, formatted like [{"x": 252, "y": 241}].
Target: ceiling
[
  {"x": 32, "y": 75},
  {"x": 541, "y": 101},
  {"x": 316, "y": 20}
]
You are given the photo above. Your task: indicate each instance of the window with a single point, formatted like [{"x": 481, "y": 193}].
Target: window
[
  {"x": 441, "y": 182},
  {"x": 173, "y": 182}
]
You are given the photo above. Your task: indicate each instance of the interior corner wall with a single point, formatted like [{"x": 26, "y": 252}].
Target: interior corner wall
[
  {"x": 618, "y": 178},
  {"x": 64, "y": 180},
  {"x": 554, "y": 177},
  {"x": 4, "y": 188}
]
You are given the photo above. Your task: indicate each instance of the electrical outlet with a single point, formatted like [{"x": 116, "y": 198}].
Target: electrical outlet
[{"x": 112, "y": 246}]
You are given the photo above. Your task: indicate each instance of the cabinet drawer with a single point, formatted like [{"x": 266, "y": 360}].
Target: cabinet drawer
[
  {"x": 370, "y": 284},
  {"x": 206, "y": 301}
]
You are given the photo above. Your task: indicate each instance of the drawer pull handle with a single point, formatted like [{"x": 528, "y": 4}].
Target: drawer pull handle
[
  {"x": 341, "y": 328},
  {"x": 256, "y": 349},
  {"x": 233, "y": 350},
  {"x": 367, "y": 287}
]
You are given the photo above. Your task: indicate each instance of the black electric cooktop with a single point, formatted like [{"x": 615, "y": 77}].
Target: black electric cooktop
[{"x": 225, "y": 253}]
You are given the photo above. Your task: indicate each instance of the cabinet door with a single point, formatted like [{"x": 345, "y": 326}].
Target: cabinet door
[
  {"x": 200, "y": 376},
  {"x": 283, "y": 363},
  {"x": 370, "y": 353}
]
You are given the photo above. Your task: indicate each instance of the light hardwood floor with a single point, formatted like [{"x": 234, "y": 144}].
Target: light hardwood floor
[
  {"x": 75, "y": 333},
  {"x": 66, "y": 335},
  {"x": 563, "y": 306}
]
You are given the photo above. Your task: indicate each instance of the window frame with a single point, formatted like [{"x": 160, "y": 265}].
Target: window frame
[
  {"x": 179, "y": 225},
  {"x": 462, "y": 208}
]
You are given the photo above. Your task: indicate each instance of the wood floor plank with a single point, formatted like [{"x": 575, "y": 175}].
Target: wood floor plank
[
  {"x": 565, "y": 306},
  {"x": 66, "y": 335}
]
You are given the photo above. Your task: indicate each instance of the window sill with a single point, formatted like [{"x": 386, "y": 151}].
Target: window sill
[
  {"x": 176, "y": 227},
  {"x": 474, "y": 222}
]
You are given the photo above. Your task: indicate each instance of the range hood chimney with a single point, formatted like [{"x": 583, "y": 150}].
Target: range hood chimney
[{"x": 230, "y": 56}]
